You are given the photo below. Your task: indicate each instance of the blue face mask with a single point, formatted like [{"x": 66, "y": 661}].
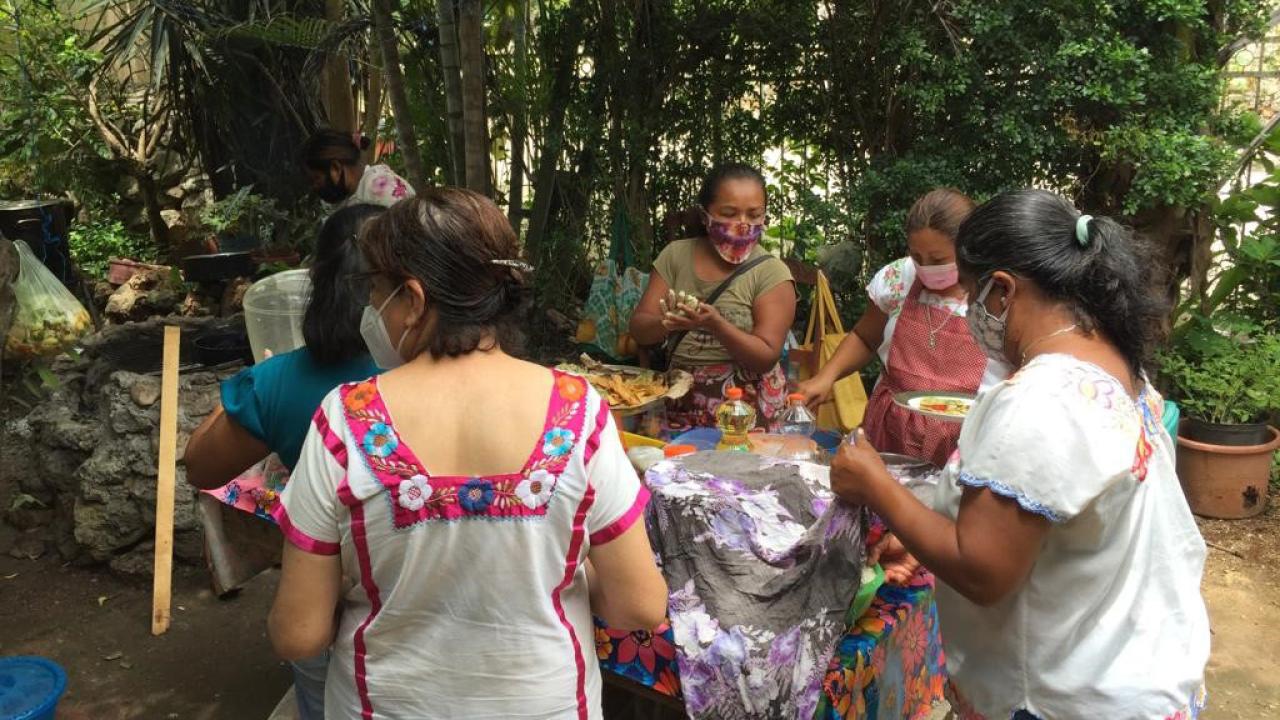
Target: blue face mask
[
  {"x": 374, "y": 331},
  {"x": 988, "y": 330}
]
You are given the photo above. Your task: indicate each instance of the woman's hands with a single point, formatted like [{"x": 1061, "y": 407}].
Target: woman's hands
[
  {"x": 858, "y": 475},
  {"x": 699, "y": 317},
  {"x": 898, "y": 564},
  {"x": 816, "y": 390}
]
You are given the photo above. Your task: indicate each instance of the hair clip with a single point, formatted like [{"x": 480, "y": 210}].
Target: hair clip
[
  {"x": 520, "y": 265},
  {"x": 1082, "y": 230}
]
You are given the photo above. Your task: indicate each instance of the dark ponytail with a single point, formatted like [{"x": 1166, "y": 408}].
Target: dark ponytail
[
  {"x": 331, "y": 323},
  {"x": 1101, "y": 273}
]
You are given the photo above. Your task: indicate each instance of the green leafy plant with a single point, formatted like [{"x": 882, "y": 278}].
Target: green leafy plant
[
  {"x": 1225, "y": 370},
  {"x": 93, "y": 244},
  {"x": 243, "y": 213},
  {"x": 1246, "y": 276}
]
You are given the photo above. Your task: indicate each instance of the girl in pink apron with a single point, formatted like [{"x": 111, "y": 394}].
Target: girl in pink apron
[
  {"x": 931, "y": 349},
  {"x": 916, "y": 325}
]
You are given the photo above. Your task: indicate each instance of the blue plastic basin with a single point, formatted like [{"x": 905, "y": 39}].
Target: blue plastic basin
[{"x": 30, "y": 688}]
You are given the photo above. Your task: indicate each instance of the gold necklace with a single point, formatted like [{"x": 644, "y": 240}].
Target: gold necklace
[{"x": 1070, "y": 328}]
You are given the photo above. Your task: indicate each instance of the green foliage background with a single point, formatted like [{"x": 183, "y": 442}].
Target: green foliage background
[{"x": 855, "y": 109}]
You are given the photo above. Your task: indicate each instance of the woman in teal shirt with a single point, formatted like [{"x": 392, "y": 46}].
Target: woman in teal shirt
[{"x": 268, "y": 407}]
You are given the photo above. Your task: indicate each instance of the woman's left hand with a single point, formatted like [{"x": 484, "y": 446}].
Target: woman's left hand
[
  {"x": 857, "y": 472},
  {"x": 705, "y": 317}
]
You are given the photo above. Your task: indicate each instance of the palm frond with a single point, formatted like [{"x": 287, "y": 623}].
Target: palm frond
[{"x": 308, "y": 33}]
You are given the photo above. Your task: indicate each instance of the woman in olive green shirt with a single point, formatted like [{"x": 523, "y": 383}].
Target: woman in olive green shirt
[{"x": 738, "y": 341}]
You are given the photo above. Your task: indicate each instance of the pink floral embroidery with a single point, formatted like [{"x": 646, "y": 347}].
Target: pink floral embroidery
[{"x": 417, "y": 497}]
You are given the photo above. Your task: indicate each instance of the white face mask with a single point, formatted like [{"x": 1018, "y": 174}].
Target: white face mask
[
  {"x": 377, "y": 339},
  {"x": 987, "y": 329}
]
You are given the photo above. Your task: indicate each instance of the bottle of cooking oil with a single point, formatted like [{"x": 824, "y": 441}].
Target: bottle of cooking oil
[{"x": 735, "y": 419}]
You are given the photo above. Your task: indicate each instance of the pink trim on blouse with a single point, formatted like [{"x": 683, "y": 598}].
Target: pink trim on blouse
[
  {"x": 299, "y": 538},
  {"x": 571, "y": 569},
  {"x": 624, "y": 523},
  {"x": 593, "y": 442},
  {"x": 334, "y": 444},
  {"x": 375, "y": 605}
]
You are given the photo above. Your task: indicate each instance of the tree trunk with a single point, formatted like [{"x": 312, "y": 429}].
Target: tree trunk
[
  {"x": 339, "y": 104},
  {"x": 474, "y": 124},
  {"x": 372, "y": 103},
  {"x": 151, "y": 202},
  {"x": 395, "y": 90},
  {"x": 520, "y": 123},
  {"x": 562, "y": 67},
  {"x": 450, "y": 68}
]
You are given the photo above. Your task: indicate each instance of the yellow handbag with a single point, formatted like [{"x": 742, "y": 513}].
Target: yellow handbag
[{"x": 844, "y": 411}]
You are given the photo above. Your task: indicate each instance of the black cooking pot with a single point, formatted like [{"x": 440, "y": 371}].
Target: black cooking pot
[
  {"x": 218, "y": 266},
  {"x": 216, "y": 348}
]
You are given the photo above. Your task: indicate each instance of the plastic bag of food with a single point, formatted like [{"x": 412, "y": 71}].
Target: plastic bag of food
[{"x": 47, "y": 318}]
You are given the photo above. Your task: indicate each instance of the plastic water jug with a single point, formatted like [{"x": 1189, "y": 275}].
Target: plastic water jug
[{"x": 273, "y": 310}]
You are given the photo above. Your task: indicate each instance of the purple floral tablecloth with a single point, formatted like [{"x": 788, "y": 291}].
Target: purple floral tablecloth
[
  {"x": 888, "y": 665},
  {"x": 757, "y": 557}
]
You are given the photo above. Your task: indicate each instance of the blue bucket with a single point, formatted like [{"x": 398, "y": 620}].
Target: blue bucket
[
  {"x": 1171, "y": 417},
  {"x": 30, "y": 688}
]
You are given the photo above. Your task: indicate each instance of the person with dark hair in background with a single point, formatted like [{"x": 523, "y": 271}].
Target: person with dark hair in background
[
  {"x": 737, "y": 340},
  {"x": 267, "y": 408},
  {"x": 1070, "y": 563},
  {"x": 915, "y": 326},
  {"x": 339, "y": 175},
  {"x": 484, "y": 504}
]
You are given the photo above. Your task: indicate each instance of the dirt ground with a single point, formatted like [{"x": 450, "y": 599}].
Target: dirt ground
[{"x": 1242, "y": 587}]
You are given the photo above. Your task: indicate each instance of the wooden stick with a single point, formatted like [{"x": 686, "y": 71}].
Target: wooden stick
[
  {"x": 1228, "y": 551},
  {"x": 165, "y": 470}
]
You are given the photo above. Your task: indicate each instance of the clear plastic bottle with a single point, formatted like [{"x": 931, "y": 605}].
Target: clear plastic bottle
[
  {"x": 797, "y": 420},
  {"x": 735, "y": 419}
]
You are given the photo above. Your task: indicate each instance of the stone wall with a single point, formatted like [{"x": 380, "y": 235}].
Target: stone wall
[{"x": 90, "y": 460}]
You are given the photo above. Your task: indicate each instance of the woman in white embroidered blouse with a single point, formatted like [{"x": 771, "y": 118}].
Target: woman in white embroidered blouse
[
  {"x": 339, "y": 175},
  {"x": 483, "y": 505},
  {"x": 1070, "y": 563}
]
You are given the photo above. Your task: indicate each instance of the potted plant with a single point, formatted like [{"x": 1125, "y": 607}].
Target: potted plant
[
  {"x": 1225, "y": 375},
  {"x": 242, "y": 221}
]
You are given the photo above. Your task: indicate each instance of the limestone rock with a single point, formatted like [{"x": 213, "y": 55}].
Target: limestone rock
[
  {"x": 149, "y": 292},
  {"x": 94, "y": 444},
  {"x": 145, "y": 392},
  {"x": 233, "y": 296}
]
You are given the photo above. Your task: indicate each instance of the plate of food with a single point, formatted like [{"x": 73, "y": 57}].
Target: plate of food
[
  {"x": 949, "y": 406},
  {"x": 630, "y": 390}
]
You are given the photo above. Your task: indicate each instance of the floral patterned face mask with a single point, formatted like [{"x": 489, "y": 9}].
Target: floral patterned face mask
[
  {"x": 987, "y": 329},
  {"x": 734, "y": 240}
]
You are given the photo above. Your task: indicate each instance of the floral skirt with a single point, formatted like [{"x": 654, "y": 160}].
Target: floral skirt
[
  {"x": 766, "y": 392},
  {"x": 257, "y": 490}
]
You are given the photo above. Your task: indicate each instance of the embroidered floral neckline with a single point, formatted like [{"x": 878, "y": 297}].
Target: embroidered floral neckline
[{"x": 418, "y": 496}]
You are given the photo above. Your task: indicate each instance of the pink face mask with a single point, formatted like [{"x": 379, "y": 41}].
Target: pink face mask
[
  {"x": 938, "y": 277},
  {"x": 734, "y": 240}
]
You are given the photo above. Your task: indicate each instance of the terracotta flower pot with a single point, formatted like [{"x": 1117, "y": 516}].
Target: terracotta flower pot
[{"x": 1222, "y": 481}]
